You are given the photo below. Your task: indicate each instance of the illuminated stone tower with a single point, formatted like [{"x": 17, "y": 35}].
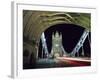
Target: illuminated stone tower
[{"x": 57, "y": 48}]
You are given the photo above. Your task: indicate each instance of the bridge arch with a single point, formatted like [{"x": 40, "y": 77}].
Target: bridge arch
[{"x": 39, "y": 21}]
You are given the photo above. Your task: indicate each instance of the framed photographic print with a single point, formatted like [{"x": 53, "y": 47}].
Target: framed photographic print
[{"x": 52, "y": 40}]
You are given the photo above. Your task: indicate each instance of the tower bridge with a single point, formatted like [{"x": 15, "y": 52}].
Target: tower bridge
[
  {"x": 57, "y": 47},
  {"x": 34, "y": 25}
]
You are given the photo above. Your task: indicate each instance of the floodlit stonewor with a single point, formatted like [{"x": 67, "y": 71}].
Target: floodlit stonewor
[{"x": 57, "y": 47}]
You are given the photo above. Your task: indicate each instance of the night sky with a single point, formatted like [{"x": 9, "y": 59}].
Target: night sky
[{"x": 70, "y": 35}]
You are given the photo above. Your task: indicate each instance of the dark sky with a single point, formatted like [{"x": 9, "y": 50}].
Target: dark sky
[{"x": 70, "y": 36}]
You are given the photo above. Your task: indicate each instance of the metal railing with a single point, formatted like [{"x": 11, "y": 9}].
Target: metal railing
[{"x": 80, "y": 43}]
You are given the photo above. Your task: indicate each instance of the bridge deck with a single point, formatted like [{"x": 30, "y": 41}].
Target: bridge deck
[{"x": 63, "y": 62}]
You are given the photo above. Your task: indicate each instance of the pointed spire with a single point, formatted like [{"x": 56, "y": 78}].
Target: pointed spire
[{"x": 56, "y": 34}]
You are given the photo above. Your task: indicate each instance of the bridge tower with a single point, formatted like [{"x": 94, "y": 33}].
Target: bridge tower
[{"x": 57, "y": 47}]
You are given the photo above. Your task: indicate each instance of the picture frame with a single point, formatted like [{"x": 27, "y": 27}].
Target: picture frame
[{"x": 17, "y": 40}]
